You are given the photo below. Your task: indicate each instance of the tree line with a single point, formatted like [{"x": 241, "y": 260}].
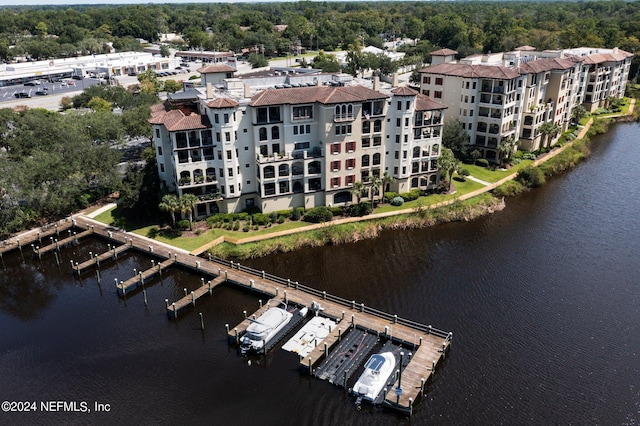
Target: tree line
[{"x": 468, "y": 27}]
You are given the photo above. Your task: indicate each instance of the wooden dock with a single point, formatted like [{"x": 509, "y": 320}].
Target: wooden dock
[
  {"x": 55, "y": 246},
  {"x": 241, "y": 328},
  {"x": 36, "y": 237},
  {"x": 136, "y": 281},
  {"x": 191, "y": 299},
  {"x": 429, "y": 345},
  {"x": 111, "y": 254}
]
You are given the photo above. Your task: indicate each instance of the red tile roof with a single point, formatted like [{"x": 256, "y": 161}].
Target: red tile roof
[
  {"x": 425, "y": 103},
  {"x": 176, "y": 119},
  {"x": 599, "y": 58},
  {"x": 216, "y": 68},
  {"x": 444, "y": 52},
  {"x": 222, "y": 103},
  {"x": 404, "y": 91},
  {"x": 323, "y": 95},
  {"x": 546, "y": 64},
  {"x": 472, "y": 71}
]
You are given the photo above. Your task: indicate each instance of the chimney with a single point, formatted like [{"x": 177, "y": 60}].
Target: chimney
[
  {"x": 394, "y": 81},
  {"x": 247, "y": 91},
  {"x": 209, "y": 91},
  {"x": 376, "y": 83}
]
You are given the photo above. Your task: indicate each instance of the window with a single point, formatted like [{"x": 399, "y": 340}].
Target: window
[
  {"x": 377, "y": 126},
  {"x": 301, "y": 145},
  {"x": 426, "y": 80},
  {"x": 376, "y": 159},
  {"x": 351, "y": 146},
  {"x": 366, "y": 142},
  {"x": 351, "y": 179},
  {"x": 366, "y": 127},
  {"x": 398, "y": 122},
  {"x": 365, "y": 160},
  {"x": 262, "y": 133},
  {"x": 162, "y": 168},
  {"x": 437, "y": 94},
  {"x": 218, "y": 139},
  {"x": 230, "y": 171},
  {"x": 302, "y": 112},
  {"x": 216, "y": 118},
  {"x": 439, "y": 81},
  {"x": 159, "y": 150},
  {"x": 408, "y": 104},
  {"x": 426, "y": 92},
  {"x": 335, "y": 182},
  {"x": 226, "y": 118},
  {"x": 232, "y": 189},
  {"x": 406, "y": 121},
  {"x": 227, "y": 136},
  {"x": 221, "y": 172},
  {"x": 157, "y": 133},
  {"x": 219, "y": 155},
  {"x": 335, "y": 166},
  {"x": 275, "y": 132},
  {"x": 344, "y": 129},
  {"x": 396, "y": 155},
  {"x": 351, "y": 163},
  {"x": 335, "y": 148},
  {"x": 397, "y": 138},
  {"x": 229, "y": 155},
  {"x": 404, "y": 154},
  {"x": 399, "y": 107}
]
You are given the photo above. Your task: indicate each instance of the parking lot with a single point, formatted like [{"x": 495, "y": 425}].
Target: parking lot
[{"x": 45, "y": 88}]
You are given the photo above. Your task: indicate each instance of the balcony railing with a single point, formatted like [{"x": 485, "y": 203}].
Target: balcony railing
[{"x": 343, "y": 117}]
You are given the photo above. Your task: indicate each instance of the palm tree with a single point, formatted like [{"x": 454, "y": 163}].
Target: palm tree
[
  {"x": 187, "y": 204},
  {"x": 171, "y": 204},
  {"x": 448, "y": 163},
  {"x": 387, "y": 180},
  {"x": 375, "y": 183},
  {"x": 506, "y": 148},
  {"x": 549, "y": 130},
  {"x": 357, "y": 189}
]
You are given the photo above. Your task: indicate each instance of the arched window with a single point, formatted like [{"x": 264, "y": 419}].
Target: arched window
[
  {"x": 275, "y": 132},
  {"x": 262, "y": 133},
  {"x": 376, "y": 159},
  {"x": 365, "y": 160},
  {"x": 283, "y": 170},
  {"x": 416, "y": 152},
  {"x": 377, "y": 126},
  {"x": 269, "y": 172}
]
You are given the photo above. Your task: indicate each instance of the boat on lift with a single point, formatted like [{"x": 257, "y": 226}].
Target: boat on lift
[
  {"x": 374, "y": 378},
  {"x": 264, "y": 328}
]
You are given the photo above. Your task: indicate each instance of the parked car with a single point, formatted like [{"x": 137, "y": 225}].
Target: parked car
[
  {"x": 42, "y": 93},
  {"x": 71, "y": 83},
  {"x": 77, "y": 77},
  {"x": 63, "y": 84},
  {"x": 22, "y": 95}
]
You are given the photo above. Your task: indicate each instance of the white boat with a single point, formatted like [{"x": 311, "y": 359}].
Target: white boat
[
  {"x": 376, "y": 373},
  {"x": 264, "y": 328},
  {"x": 310, "y": 336}
]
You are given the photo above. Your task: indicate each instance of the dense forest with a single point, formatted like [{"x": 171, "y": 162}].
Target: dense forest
[{"x": 468, "y": 27}]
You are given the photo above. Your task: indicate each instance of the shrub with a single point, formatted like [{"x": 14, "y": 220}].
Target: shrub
[
  {"x": 252, "y": 210},
  {"x": 281, "y": 219},
  {"x": 388, "y": 196},
  {"x": 482, "y": 162},
  {"x": 411, "y": 195},
  {"x": 464, "y": 173},
  {"x": 183, "y": 224},
  {"x": 242, "y": 216},
  {"x": 260, "y": 219},
  {"x": 531, "y": 177},
  {"x": 236, "y": 225},
  {"x": 246, "y": 228},
  {"x": 397, "y": 201},
  {"x": 273, "y": 217},
  {"x": 318, "y": 214},
  {"x": 508, "y": 189},
  {"x": 198, "y": 231},
  {"x": 360, "y": 209},
  {"x": 295, "y": 214},
  {"x": 337, "y": 210}
]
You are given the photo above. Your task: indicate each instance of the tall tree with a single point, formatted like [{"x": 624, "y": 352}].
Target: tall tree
[
  {"x": 170, "y": 204},
  {"x": 455, "y": 137},
  {"x": 448, "y": 163},
  {"x": 188, "y": 202}
]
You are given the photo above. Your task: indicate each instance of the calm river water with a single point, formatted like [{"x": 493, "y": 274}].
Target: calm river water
[{"x": 543, "y": 299}]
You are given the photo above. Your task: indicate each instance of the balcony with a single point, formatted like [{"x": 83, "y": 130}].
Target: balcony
[
  {"x": 308, "y": 153},
  {"x": 275, "y": 157},
  {"x": 339, "y": 118}
]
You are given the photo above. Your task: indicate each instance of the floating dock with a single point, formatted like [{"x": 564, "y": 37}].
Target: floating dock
[
  {"x": 310, "y": 336},
  {"x": 350, "y": 353}
]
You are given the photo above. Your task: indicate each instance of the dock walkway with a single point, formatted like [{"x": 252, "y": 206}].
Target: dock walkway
[
  {"x": 134, "y": 282},
  {"x": 191, "y": 299},
  {"x": 107, "y": 255}
]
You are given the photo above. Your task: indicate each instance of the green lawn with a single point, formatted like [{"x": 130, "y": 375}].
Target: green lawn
[{"x": 492, "y": 176}]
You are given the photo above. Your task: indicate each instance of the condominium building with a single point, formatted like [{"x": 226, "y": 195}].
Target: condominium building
[
  {"x": 509, "y": 96},
  {"x": 238, "y": 146}
]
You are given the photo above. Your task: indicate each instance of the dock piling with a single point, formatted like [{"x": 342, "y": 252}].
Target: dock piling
[
  {"x": 144, "y": 293},
  {"x": 175, "y": 313},
  {"x": 98, "y": 275},
  {"x": 244, "y": 313},
  {"x": 193, "y": 299},
  {"x": 201, "y": 322},
  {"x": 57, "y": 258}
]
